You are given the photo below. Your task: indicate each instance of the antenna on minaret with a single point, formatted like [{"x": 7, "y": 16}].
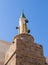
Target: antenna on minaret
[{"x": 23, "y": 24}]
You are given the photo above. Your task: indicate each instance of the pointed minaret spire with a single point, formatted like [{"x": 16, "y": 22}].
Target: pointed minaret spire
[
  {"x": 22, "y": 15},
  {"x": 22, "y": 24}
]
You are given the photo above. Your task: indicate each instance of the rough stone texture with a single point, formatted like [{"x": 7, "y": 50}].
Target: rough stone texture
[
  {"x": 13, "y": 60},
  {"x": 25, "y": 52},
  {"x": 47, "y": 60},
  {"x": 10, "y": 51},
  {"x": 4, "y": 46}
]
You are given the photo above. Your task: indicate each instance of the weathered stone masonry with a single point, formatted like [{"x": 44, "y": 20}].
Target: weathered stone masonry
[{"x": 25, "y": 52}]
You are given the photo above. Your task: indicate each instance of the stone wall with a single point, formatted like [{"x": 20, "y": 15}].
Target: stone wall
[
  {"x": 10, "y": 52},
  {"x": 29, "y": 53},
  {"x": 47, "y": 60},
  {"x": 12, "y": 60},
  {"x": 4, "y": 46},
  {"x": 25, "y": 52}
]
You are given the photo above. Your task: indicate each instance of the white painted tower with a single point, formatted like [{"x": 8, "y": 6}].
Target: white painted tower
[{"x": 23, "y": 24}]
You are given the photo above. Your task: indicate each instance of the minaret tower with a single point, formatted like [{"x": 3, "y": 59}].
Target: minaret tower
[
  {"x": 24, "y": 50},
  {"x": 23, "y": 24}
]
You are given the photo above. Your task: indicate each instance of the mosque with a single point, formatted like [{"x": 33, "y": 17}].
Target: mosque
[{"x": 23, "y": 50}]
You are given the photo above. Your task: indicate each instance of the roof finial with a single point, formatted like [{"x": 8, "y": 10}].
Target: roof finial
[{"x": 22, "y": 15}]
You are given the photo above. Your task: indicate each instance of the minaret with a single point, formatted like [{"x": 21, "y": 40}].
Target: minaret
[
  {"x": 23, "y": 24},
  {"x": 23, "y": 50}
]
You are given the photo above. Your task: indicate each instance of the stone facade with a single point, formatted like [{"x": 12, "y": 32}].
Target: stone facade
[
  {"x": 24, "y": 51},
  {"x": 47, "y": 60},
  {"x": 4, "y": 46}
]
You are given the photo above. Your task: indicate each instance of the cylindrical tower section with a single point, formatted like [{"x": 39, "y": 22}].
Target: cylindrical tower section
[{"x": 23, "y": 24}]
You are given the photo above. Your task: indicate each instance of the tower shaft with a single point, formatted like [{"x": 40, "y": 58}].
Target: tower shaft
[{"x": 22, "y": 24}]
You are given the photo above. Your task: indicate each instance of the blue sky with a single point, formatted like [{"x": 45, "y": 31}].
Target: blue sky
[{"x": 37, "y": 13}]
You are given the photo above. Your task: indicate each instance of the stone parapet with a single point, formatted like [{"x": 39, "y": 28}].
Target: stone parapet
[{"x": 24, "y": 36}]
